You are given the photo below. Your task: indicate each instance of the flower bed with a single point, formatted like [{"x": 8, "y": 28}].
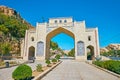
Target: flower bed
[
  {"x": 36, "y": 73},
  {"x": 46, "y": 69}
]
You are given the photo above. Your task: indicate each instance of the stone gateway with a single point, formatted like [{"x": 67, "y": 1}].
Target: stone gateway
[{"x": 37, "y": 42}]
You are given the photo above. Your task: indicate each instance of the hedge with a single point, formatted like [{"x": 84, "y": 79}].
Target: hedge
[{"x": 111, "y": 65}]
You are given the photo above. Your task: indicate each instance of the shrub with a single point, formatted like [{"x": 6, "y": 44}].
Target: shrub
[
  {"x": 57, "y": 56},
  {"x": 12, "y": 62},
  {"x": 98, "y": 63},
  {"x": 48, "y": 62},
  {"x": 111, "y": 65},
  {"x": 39, "y": 67},
  {"x": 2, "y": 63},
  {"x": 54, "y": 60},
  {"x": 22, "y": 72},
  {"x": 114, "y": 66}
]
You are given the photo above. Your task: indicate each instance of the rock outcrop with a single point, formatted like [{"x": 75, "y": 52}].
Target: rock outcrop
[
  {"x": 110, "y": 47},
  {"x": 12, "y": 17},
  {"x": 11, "y": 12}
]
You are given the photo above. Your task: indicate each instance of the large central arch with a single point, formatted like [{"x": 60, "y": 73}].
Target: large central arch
[{"x": 54, "y": 33}]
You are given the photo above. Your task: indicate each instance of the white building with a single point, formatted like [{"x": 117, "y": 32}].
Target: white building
[{"x": 37, "y": 42}]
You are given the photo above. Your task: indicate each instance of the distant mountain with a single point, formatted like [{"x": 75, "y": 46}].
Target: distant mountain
[{"x": 110, "y": 47}]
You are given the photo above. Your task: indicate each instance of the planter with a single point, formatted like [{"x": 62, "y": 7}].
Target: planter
[{"x": 45, "y": 71}]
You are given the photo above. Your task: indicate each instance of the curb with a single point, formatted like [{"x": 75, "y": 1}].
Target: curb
[
  {"x": 3, "y": 67},
  {"x": 110, "y": 72},
  {"x": 46, "y": 72}
]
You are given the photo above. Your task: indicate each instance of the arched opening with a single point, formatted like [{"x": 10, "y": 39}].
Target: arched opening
[
  {"x": 31, "y": 54},
  {"x": 90, "y": 53},
  {"x": 52, "y": 34}
]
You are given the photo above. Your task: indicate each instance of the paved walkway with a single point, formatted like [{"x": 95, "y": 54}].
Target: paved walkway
[
  {"x": 73, "y": 70},
  {"x": 6, "y": 73}
]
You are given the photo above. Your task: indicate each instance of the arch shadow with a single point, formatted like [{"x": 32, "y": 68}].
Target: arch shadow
[
  {"x": 31, "y": 53},
  {"x": 90, "y": 52}
]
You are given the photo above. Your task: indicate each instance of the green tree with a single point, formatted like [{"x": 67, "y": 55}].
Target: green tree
[
  {"x": 57, "y": 57},
  {"x": 5, "y": 48},
  {"x": 53, "y": 45},
  {"x": 11, "y": 28},
  {"x": 72, "y": 52},
  {"x": 118, "y": 53},
  {"x": 14, "y": 26},
  {"x": 112, "y": 53},
  {"x": 3, "y": 29},
  {"x": 59, "y": 49}
]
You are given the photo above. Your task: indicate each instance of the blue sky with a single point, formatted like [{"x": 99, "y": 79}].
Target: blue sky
[
  {"x": 64, "y": 41},
  {"x": 104, "y": 14}
]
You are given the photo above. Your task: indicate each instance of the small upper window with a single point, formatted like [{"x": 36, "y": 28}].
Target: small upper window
[
  {"x": 89, "y": 38},
  {"x": 65, "y": 21},
  {"x": 55, "y": 21},
  {"x": 60, "y": 21},
  {"x": 32, "y": 39}
]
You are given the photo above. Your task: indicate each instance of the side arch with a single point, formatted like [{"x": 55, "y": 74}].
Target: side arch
[
  {"x": 31, "y": 53},
  {"x": 90, "y": 52}
]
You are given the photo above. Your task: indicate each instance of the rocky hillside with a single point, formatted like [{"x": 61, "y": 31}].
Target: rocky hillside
[
  {"x": 110, "y": 47},
  {"x": 11, "y": 12},
  {"x": 12, "y": 30}
]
